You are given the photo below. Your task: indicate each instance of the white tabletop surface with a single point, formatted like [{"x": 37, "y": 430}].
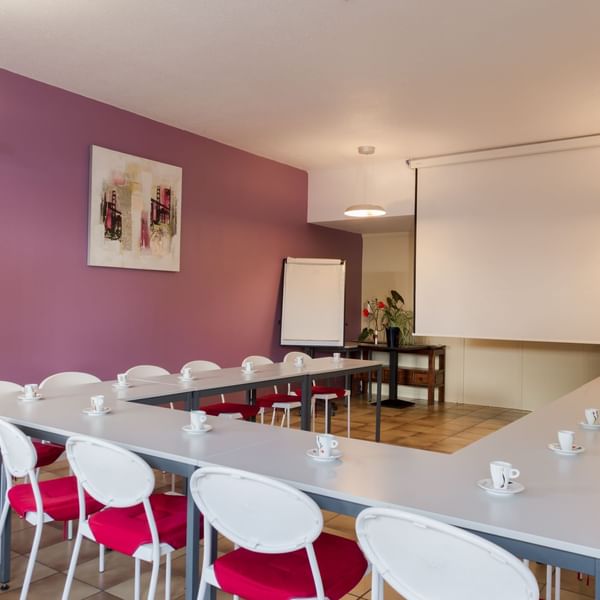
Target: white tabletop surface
[{"x": 557, "y": 509}]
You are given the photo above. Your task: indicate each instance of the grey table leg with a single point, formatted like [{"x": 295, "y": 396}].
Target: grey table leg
[
  {"x": 378, "y": 406},
  {"x": 305, "y": 410},
  {"x": 189, "y": 401},
  {"x": 192, "y": 551},
  {"x": 5, "y": 540}
]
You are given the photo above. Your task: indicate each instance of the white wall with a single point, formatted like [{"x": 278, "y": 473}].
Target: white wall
[
  {"x": 389, "y": 183},
  {"x": 512, "y": 374}
]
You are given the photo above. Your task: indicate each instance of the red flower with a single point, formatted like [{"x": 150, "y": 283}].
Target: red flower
[
  {"x": 380, "y": 304},
  {"x": 365, "y": 312}
]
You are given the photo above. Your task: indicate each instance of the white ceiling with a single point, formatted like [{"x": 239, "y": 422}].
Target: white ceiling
[{"x": 306, "y": 81}]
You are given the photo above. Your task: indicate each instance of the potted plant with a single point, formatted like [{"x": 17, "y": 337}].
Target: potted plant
[
  {"x": 373, "y": 312},
  {"x": 398, "y": 321}
]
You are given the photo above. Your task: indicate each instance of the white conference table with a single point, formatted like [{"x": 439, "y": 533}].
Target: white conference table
[
  {"x": 552, "y": 521},
  {"x": 234, "y": 379}
]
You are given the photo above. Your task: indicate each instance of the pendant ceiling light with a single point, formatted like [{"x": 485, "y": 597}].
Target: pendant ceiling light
[{"x": 365, "y": 210}]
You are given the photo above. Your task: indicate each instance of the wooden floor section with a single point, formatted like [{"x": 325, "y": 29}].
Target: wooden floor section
[{"x": 441, "y": 428}]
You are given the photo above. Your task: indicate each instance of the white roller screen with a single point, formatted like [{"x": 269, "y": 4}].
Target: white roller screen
[
  {"x": 313, "y": 302},
  {"x": 510, "y": 248}
]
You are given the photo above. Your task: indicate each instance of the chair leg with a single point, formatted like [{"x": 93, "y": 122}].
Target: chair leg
[
  {"x": 168, "y": 577},
  {"x": 273, "y": 416},
  {"x": 154, "y": 579},
  {"x": 101, "y": 558},
  {"x": 289, "y": 412},
  {"x": 348, "y": 415},
  {"x": 37, "y": 536},
  {"x": 69, "y": 530},
  {"x": 376, "y": 586},
  {"x": 72, "y": 567},
  {"x": 202, "y": 587},
  {"x": 557, "y": 584},
  {"x": 136, "y": 580},
  {"x": 313, "y": 410},
  {"x": 549, "y": 582}
]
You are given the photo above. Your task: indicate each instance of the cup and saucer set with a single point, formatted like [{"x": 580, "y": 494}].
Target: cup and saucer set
[
  {"x": 566, "y": 444},
  {"x": 197, "y": 423},
  {"x": 30, "y": 393},
  {"x": 186, "y": 375},
  {"x": 326, "y": 450},
  {"x": 501, "y": 482},
  {"x": 122, "y": 383},
  {"x": 97, "y": 407}
]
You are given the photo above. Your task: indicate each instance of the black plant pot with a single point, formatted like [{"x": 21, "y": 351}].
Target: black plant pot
[{"x": 392, "y": 335}]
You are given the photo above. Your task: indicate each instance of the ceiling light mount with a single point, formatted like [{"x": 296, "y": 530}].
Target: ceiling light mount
[{"x": 365, "y": 210}]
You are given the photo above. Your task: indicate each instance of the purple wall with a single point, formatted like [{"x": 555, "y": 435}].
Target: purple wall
[{"x": 241, "y": 214}]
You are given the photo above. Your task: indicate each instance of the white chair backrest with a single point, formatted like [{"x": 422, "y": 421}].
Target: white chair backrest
[
  {"x": 8, "y": 387},
  {"x": 197, "y": 366},
  {"x": 110, "y": 474},
  {"x": 422, "y": 559},
  {"x": 18, "y": 454},
  {"x": 67, "y": 379},
  {"x": 257, "y": 360},
  {"x": 146, "y": 371},
  {"x": 291, "y": 356},
  {"x": 256, "y": 512}
]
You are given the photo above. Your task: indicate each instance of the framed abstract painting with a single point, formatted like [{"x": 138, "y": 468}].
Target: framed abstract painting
[{"x": 135, "y": 212}]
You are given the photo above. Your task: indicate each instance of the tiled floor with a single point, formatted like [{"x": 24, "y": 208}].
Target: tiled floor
[{"x": 444, "y": 428}]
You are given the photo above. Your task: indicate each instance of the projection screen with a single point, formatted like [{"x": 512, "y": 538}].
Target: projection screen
[{"x": 508, "y": 246}]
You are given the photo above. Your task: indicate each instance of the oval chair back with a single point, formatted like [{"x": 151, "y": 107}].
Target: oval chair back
[
  {"x": 199, "y": 366},
  {"x": 8, "y": 387},
  {"x": 110, "y": 474},
  {"x": 67, "y": 379},
  {"x": 255, "y": 512},
  {"x": 18, "y": 453},
  {"x": 141, "y": 371},
  {"x": 423, "y": 558}
]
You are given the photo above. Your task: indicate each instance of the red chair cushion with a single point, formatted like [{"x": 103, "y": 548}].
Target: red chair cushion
[
  {"x": 59, "y": 497},
  {"x": 47, "y": 453},
  {"x": 257, "y": 576},
  {"x": 246, "y": 410},
  {"x": 322, "y": 389},
  {"x": 126, "y": 529},
  {"x": 268, "y": 400}
]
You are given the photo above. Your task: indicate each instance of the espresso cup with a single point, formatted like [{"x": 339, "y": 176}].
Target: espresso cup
[
  {"x": 122, "y": 379},
  {"x": 186, "y": 372},
  {"x": 591, "y": 416},
  {"x": 502, "y": 473},
  {"x": 198, "y": 419},
  {"x": 336, "y": 356},
  {"x": 326, "y": 442},
  {"x": 299, "y": 361},
  {"x": 565, "y": 440},
  {"x": 249, "y": 366},
  {"x": 97, "y": 403},
  {"x": 30, "y": 390}
]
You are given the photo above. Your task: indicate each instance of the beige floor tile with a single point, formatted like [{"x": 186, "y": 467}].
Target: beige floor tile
[{"x": 51, "y": 588}]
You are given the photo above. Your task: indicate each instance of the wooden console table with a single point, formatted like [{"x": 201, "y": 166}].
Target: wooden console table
[{"x": 432, "y": 377}]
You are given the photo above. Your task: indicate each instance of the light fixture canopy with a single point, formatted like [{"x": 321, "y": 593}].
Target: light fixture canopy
[{"x": 364, "y": 210}]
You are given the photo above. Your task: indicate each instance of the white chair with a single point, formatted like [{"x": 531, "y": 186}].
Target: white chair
[
  {"x": 143, "y": 371},
  {"x": 67, "y": 379},
  {"x": 281, "y": 550},
  {"x": 286, "y": 402},
  {"x": 231, "y": 410},
  {"x": 37, "y": 503},
  {"x": 136, "y": 521},
  {"x": 46, "y": 452},
  {"x": 321, "y": 392},
  {"x": 423, "y": 559}
]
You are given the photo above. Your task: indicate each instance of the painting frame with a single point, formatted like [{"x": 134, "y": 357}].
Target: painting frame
[{"x": 134, "y": 212}]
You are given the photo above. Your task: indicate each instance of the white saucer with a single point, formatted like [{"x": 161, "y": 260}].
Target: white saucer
[
  {"x": 24, "y": 398},
  {"x": 514, "y": 487},
  {"x": 555, "y": 447},
  {"x": 593, "y": 427},
  {"x": 119, "y": 386},
  {"x": 190, "y": 429},
  {"x": 96, "y": 413},
  {"x": 186, "y": 379},
  {"x": 314, "y": 454},
  {"x": 248, "y": 372}
]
